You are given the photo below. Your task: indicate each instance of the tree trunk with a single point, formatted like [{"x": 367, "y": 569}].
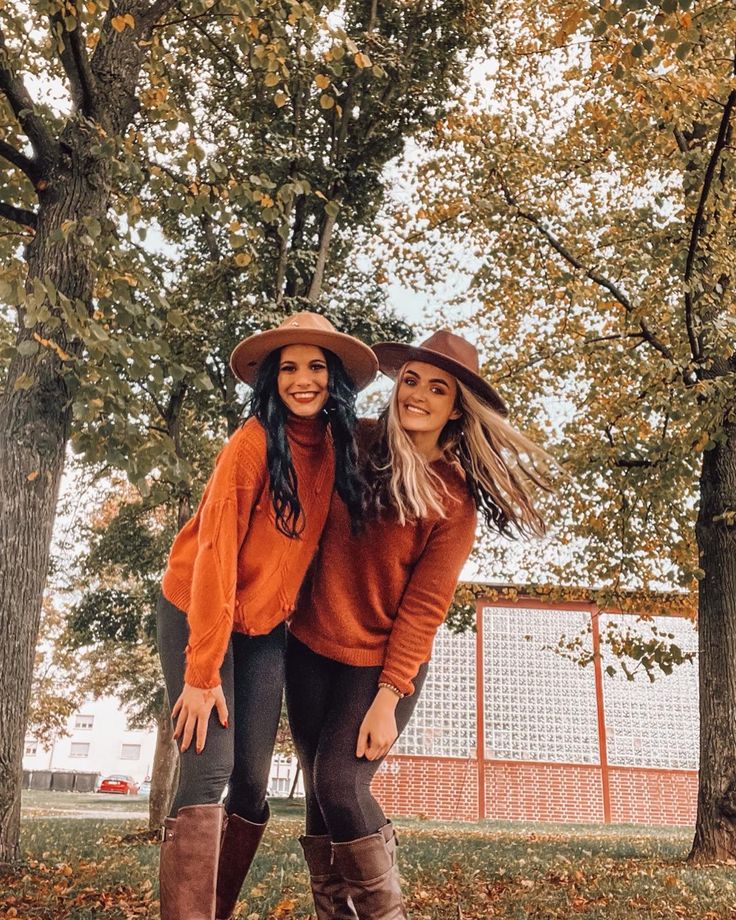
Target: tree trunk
[
  {"x": 296, "y": 780},
  {"x": 35, "y": 408},
  {"x": 34, "y": 419},
  {"x": 715, "y": 832},
  {"x": 165, "y": 774}
]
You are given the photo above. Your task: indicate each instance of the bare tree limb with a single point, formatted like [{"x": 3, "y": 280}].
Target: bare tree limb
[
  {"x": 19, "y": 160},
  {"x": 328, "y": 225},
  {"x": 76, "y": 63},
  {"x": 718, "y": 147},
  {"x": 592, "y": 274},
  {"x": 156, "y": 10},
  {"x": 18, "y": 215},
  {"x": 681, "y": 141},
  {"x": 44, "y": 144}
]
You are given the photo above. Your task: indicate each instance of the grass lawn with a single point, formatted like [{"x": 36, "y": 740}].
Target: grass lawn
[{"x": 80, "y": 866}]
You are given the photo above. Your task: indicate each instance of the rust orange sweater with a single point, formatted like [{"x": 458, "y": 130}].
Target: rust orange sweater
[
  {"x": 230, "y": 569},
  {"x": 379, "y": 598}
]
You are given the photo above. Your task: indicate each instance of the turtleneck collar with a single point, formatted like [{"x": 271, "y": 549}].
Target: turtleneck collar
[{"x": 306, "y": 432}]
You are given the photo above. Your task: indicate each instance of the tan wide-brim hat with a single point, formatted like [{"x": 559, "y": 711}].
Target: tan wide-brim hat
[
  {"x": 448, "y": 351},
  {"x": 305, "y": 329}
]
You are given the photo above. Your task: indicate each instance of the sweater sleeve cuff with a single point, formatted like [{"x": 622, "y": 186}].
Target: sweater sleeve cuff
[
  {"x": 401, "y": 683},
  {"x": 202, "y": 680}
]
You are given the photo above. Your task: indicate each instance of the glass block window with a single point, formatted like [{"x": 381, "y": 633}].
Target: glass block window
[
  {"x": 130, "y": 752},
  {"x": 538, "y": 705},
  {"x": 79, "y": 749},
  {"x": 653, "y": 724},
  {"x": 83, "y": 722},
  {"x": 443, "y": 724}
]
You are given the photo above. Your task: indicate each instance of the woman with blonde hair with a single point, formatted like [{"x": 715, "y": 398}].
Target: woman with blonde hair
[{"x": 361, "y": 637}]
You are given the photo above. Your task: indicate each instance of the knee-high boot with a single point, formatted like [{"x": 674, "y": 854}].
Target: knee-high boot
[
  {"x": 190, "y": 849},
  {"x": 240, "y": 841},
  {"x": 368, "y": 868},
  {"x": 331, "y": 900}
]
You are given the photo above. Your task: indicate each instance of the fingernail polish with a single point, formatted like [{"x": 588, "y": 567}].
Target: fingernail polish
[{"x": 227, "y": 723}]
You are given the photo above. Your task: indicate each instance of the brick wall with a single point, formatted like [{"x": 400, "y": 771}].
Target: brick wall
[
  {"x": 432, "y": 787},
  {"x": 647, "y": 796},
  {"x": 518, "y": 791},
  {"x": 445, "y": 788}
]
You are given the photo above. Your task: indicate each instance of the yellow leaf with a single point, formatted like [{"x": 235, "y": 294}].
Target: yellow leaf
[
  {"x": 362, "y": 60},
  {"x": 699, "y": 445},
  {"x": 280, "y": 98},
  {"x": 325, "y": 101},
  {"x": 271, "y": 79},
  {"x": 129, "y": 20},
  {"x": 31, "y": 476},
  {"x": 54, "y": 346},
  {"x": 322, "y": 80},
  {"x": 91, "y": 7},
  {"x": 243, "y": 258},
  {"x": 118, "y": 23}
]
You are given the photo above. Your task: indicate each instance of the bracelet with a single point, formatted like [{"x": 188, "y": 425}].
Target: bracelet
[{"x": 387, "y": 686}]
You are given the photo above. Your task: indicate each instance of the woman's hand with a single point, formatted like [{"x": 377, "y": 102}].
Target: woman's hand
[
  {"x": 378, "y": 730},
  {"x": 192, "y": 713}
]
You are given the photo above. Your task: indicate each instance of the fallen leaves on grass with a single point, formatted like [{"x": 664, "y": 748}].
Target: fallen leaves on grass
[{"x": 57, "y": 891}]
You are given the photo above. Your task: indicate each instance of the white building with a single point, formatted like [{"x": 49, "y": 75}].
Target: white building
[{"x": 99, "y": 741}]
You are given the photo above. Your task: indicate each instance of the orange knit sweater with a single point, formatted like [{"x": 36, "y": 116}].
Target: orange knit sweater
[
  {"x": 230, "y": 569},
  {"x": 379, "y": 598}
]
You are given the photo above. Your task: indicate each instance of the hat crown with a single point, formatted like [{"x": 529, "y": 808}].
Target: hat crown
[
  {"x": 454, "y": 347},
  {"x": 307, "y": 321}
]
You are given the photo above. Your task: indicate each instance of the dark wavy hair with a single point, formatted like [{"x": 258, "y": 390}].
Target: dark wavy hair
[{"x": 266, "y": 406}]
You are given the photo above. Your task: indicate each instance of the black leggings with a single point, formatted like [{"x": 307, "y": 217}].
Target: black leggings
[
  {"x": 238, "y": 757},
  {"x": 327, "y": 702}
]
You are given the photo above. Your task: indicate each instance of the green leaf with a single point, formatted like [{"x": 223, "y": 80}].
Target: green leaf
[{"x": 28, "y": 347}]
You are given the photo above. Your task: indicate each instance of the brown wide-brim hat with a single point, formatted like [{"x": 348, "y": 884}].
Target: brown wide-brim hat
[
  {"x": 304, "y": 329},
  {"x": 445, "y": 350}
]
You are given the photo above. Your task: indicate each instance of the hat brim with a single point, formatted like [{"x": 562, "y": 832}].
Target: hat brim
[
  {"x": 358, "y": 359},
  {"x": 392, "y": 356}
]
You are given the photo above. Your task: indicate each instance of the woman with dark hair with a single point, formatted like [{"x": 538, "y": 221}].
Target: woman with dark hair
[
  {"x": 232, "y": 580},
  {"x": 361, "y": 638}
]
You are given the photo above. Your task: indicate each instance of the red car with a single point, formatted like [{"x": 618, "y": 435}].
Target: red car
[{"x": 125, "y": 785}]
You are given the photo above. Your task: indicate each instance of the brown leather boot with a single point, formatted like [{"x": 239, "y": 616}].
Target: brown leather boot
[
  {"x": 331, "y": 900},
  {"x": 190, "y": 846},
  {"x": 239, "y": 844},
  {"x": 368, "y": 868}
]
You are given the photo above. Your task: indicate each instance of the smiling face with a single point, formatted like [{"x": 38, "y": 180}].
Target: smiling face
[
  {"x": 426, "y": 400},
  {"x": 303, "y": 380}
]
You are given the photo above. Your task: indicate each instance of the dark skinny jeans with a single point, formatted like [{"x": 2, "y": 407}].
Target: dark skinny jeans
[
  {"x": 327, "y": 702},
  {"x": 239, "y": 756}
]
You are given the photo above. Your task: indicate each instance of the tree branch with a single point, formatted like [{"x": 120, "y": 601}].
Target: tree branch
[
  {"x": 590, "y": 273},
  {"x": 328, "y": 225},
  {"x": 19, "y": 160},
  {"x": 44, "y": 144},
  {"x": 18, "y": 215},
  {"x": 158, "y": 9},
  {"x": 76, "y": 64},
  {"x": 697, "y": 228}
]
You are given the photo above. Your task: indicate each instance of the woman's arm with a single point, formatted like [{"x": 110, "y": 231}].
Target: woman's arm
[
  {"x": 427, "y": 596},
  {"x": 224, "y": 514},
  {"x": 423, "y": 608}
]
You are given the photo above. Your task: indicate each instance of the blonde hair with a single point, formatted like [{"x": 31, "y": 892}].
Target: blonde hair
[{"x": 502, "y": 467}]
